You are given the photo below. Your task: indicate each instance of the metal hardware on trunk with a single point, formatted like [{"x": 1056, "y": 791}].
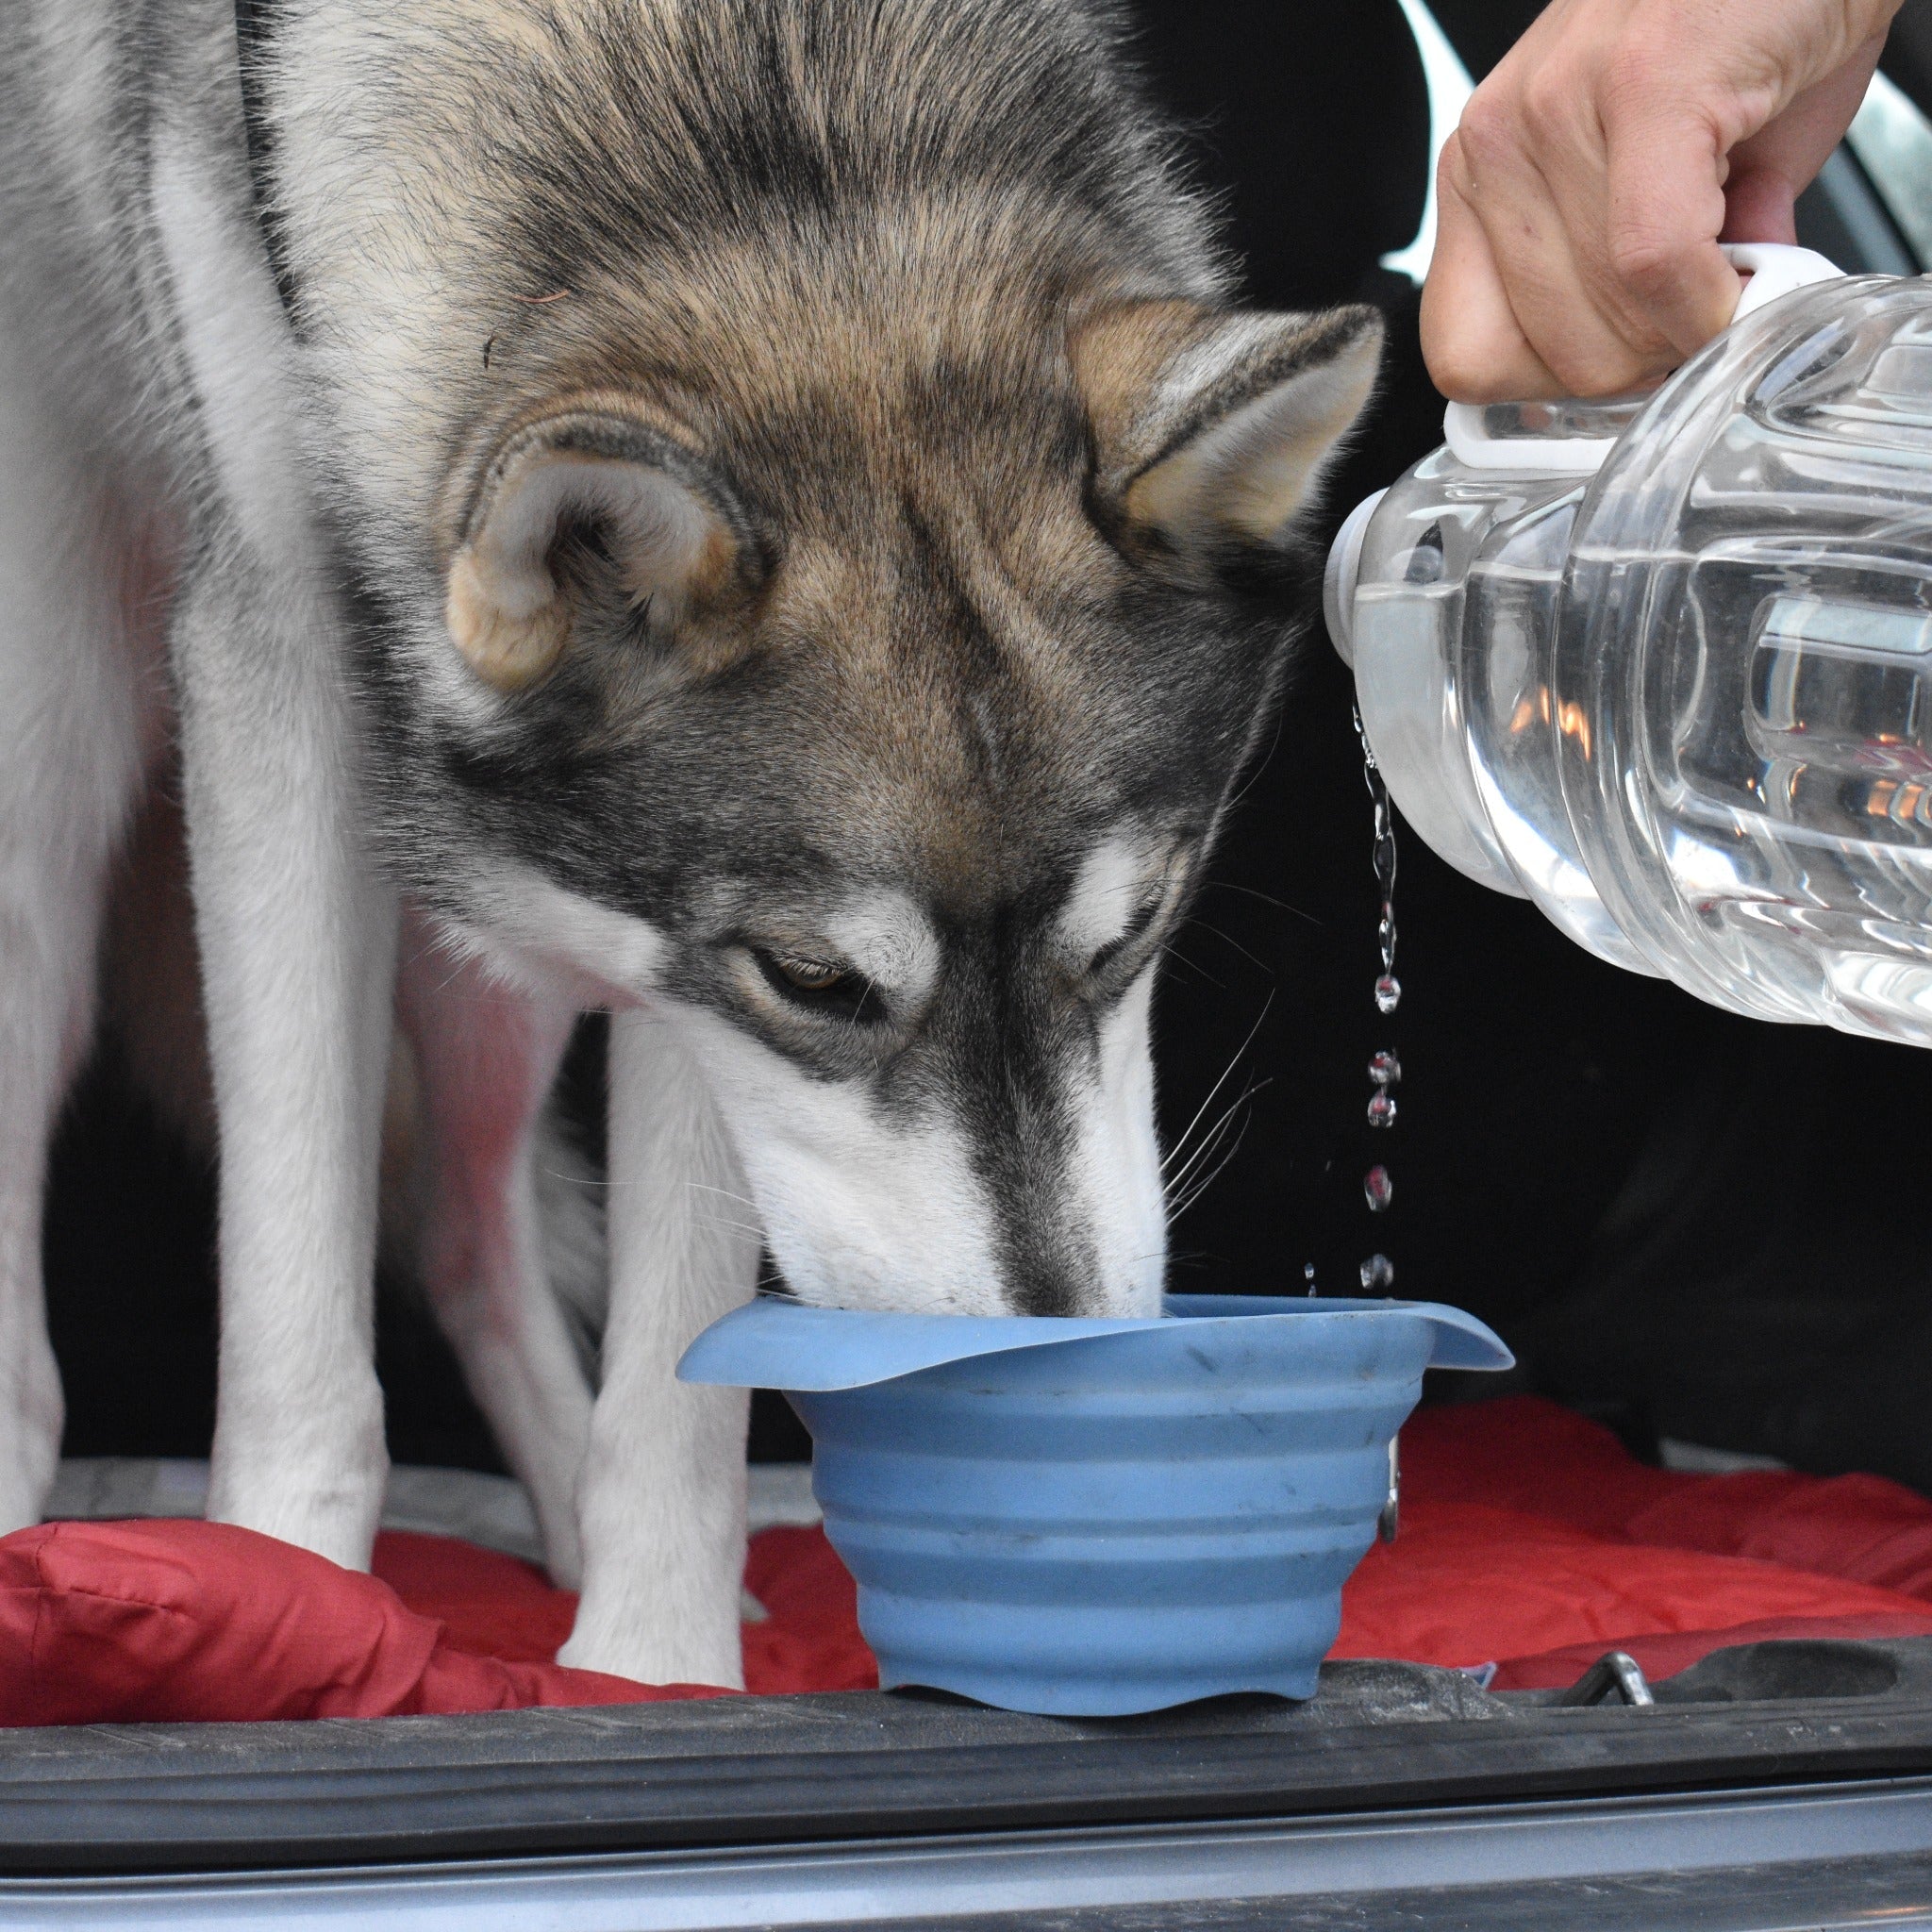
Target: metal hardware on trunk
[{"x": 1616, "y": 1672}]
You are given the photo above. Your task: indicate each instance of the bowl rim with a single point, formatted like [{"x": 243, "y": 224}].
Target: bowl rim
[{"x": 775, "y": 1343}]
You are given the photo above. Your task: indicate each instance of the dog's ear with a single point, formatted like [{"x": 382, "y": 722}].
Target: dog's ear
[
  {"x": 1211, "y": 427},
  {"x": 578, "y": 490}
]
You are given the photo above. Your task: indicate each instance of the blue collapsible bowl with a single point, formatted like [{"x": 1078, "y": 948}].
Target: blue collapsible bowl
[{"x": 1088, "y": 1518}]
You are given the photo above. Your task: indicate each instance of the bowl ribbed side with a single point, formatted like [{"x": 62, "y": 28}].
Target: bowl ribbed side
[
  {"x": 1103, "y": 1661},
  {"x": 1039, "y": 1535}
]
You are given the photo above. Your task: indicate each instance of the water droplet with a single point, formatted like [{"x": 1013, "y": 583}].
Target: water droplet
[
  {"x": 1385, "y": 1070},
  {"x": 1308, "y": 1275},
  {"x": 1381, "y": 1109},
  {"x": 1378, "y": 1274},
  {"x": 1378, "y": 1190},
  {"x": 1388, "y": 993}
]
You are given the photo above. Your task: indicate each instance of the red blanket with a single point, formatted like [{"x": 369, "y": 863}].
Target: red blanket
[{"x": 1529, "y": 1539}]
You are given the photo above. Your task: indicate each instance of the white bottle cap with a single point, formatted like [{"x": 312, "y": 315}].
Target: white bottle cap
[{"x": 1340, "y": 573}]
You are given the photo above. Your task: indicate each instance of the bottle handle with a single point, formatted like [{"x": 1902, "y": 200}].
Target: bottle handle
[
  {"x": 1772, "y": 269},
  {"x": 1466, "y": 431},
  {"x": 1776, "y": 268}
]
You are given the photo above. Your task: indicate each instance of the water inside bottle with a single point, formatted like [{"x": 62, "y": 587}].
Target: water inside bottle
[{"x": 1757, "y": 797}]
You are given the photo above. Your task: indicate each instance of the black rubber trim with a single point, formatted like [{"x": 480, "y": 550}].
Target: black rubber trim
[{"x": 750, "y": 1771}]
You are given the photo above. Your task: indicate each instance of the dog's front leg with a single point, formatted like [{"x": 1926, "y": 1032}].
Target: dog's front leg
[
  {"x": 661, "y": 1499},
  {"x": 298, "y": 958},
  {"x": 484, "y": 1055}
]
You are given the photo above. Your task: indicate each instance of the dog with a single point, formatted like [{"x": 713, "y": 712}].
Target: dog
[{"x": 755, "y": 514}]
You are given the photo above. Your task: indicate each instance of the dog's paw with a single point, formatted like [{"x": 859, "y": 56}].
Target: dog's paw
[{"x": 659, "y": 1649}]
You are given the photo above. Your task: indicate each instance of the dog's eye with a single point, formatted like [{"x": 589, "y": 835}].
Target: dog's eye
[
  {"x": 808, "y": 975},
  {"x": 1136, "y": 930},
  {"x": 817, "y": 985}
]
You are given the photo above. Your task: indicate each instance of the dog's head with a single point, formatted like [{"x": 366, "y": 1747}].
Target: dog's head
[
  {"x": 875, "y": 721},
  {"x": 825, "y": 548}
]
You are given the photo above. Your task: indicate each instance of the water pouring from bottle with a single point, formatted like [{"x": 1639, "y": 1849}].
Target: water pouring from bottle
[{"x": 1384, "y": 1069}]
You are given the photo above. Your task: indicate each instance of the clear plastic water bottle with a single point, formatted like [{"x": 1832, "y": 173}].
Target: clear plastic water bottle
[{"x": 1665, "y": 667}]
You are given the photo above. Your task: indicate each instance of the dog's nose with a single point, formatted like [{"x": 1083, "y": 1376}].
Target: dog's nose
[{"x": 1059, "y": 1277}]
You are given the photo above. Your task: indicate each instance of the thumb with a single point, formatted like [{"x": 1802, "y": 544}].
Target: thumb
[{"x": 1773, "y": 167}]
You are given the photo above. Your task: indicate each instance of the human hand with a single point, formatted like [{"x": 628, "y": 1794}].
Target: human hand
[{"x": 1581, "y": 202}]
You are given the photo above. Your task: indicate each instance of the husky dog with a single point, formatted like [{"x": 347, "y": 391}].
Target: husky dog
[{"x": 752, "y": 513}]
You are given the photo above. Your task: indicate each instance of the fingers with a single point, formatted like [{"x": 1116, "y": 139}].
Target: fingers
[
  {"x": 1599, "y": 199},
  {"x": 1581, "y": 203},
  {"x": 1655, "y": 261},
  {"x": 1474, "y": 347},
  {"x": 1540, "y": 169}
]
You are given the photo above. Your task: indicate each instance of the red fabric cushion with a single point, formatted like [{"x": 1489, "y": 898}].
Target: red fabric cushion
[
  {"x": 127, "y": 1621},
  {"x": 1467, "y": 1584},
  {"x": 809, "y": 1641},
  {"x": 1529, "y": 1539},
  {"x": 1533, "y": 1539},
  {"x": 497, "y": 1606}
]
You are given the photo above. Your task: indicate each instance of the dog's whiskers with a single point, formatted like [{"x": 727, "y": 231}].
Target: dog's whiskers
[
  {"x": 1228, "y": 938},
  {"x": 1179, "y": 1184},
  {"x": 1176, "y": 1152},
  {"x": 1266, "y": 898},
  {"x": 1220, "y": 1166},
  {"x": 743, "y": 1200},
  {"x": 717, "y": 1226},
  {"x": 1180, "y": 958}
]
